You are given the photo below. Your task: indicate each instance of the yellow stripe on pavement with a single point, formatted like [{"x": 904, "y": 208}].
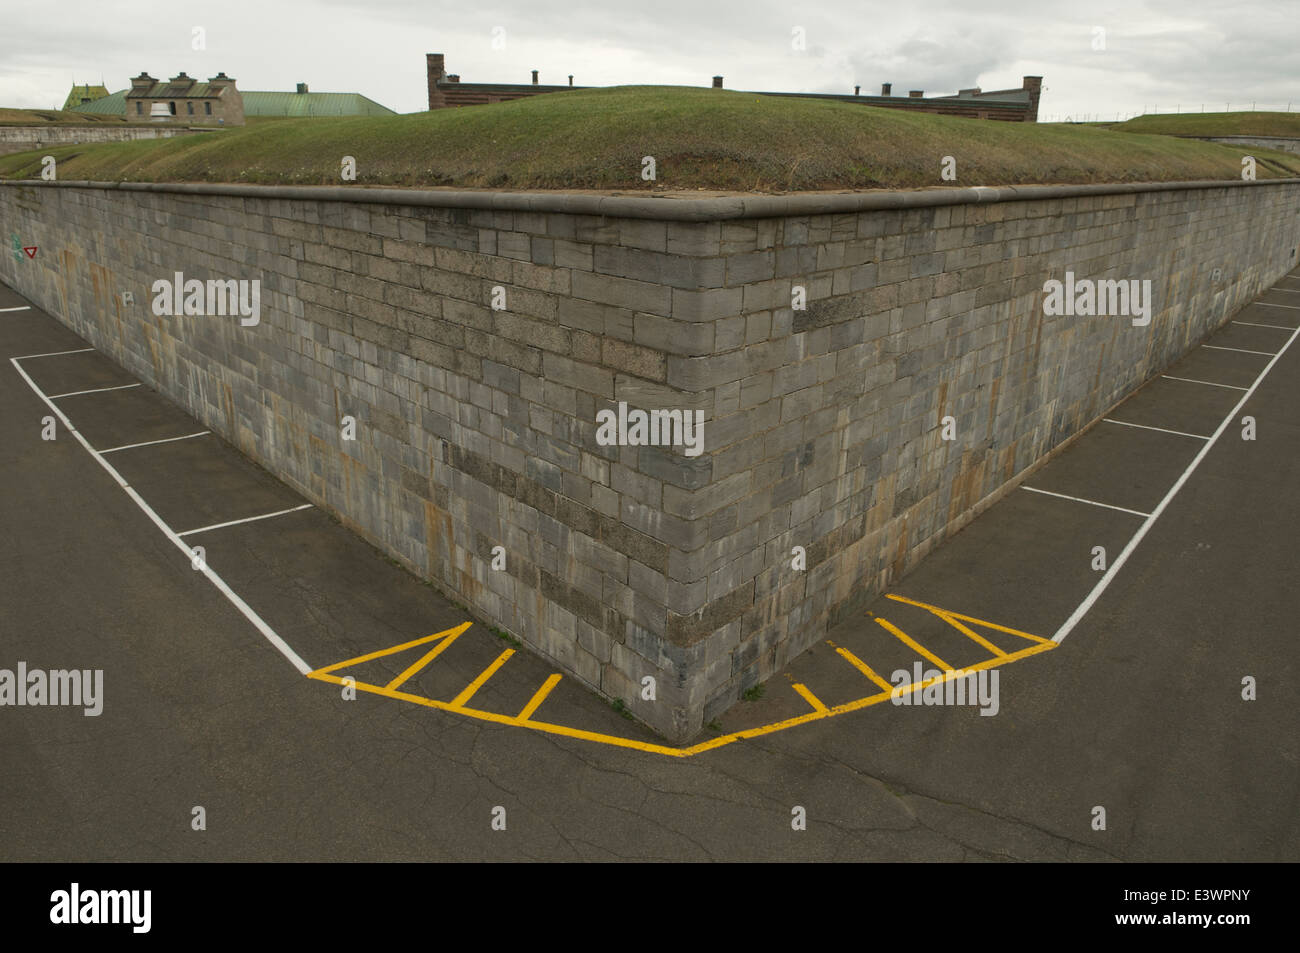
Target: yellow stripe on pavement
[
  {"x": 912, "y": 643},
  {"x": 460, "y": 700}
]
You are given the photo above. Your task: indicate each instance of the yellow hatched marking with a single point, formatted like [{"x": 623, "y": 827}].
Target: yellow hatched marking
[
  {"x": 390, "y": 651},
  {"x": 460, "y": 700},
  {"x": 948, "y": 616},
  {"x": 864, "y": 668},
  {"x": 810, "y": 698},
  {"x": 425, "y": 660},
  {"x": 912, "y": 643},
  {"x": 535, "y": 702},
  {"x": 820, "y": 710}
]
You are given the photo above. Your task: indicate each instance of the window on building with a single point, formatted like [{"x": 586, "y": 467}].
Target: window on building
[
  {"x": 207, "y": 108},
  {"x": 172, "y": 107},
  {"x": 189, "y": 109},
  {"x": 139, "y": 108}
]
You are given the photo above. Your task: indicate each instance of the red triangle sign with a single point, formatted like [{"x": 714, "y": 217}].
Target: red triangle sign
[{"x": 31, "y": 250}]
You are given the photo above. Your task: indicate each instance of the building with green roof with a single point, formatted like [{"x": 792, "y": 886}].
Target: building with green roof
[
  {"x": 260, "y": 103},
  {"x": 114, "y": 104},
  {"x": 306, "y": 103},
  {"x": 83, "y": 94}
]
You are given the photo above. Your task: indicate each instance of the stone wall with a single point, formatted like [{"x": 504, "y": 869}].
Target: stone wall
[
  {"x": 1265, "y": 142},
  {"x": 476, "y": 427},
  {"x": 27, "y": 138}
]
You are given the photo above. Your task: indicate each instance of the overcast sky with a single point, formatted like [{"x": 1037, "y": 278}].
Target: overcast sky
[{"x": 1155, "y": 53}]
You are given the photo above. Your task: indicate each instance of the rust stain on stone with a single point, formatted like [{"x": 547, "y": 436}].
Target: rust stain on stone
[
  {"x": 437, "y": 532},
  {"x": 900, "y": 557},
  {"x": 993, "y": 404},
  {"x": 967, "y": 485},
  {"x": 317, "y": 449}
]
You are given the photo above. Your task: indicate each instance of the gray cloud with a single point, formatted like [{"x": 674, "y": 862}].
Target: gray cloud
[{"x": 1158, "y": 51}]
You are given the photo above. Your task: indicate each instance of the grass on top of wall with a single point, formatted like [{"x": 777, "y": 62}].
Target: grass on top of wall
[
  {"x": 1285, "y": 125},
  {"x": 700, "y": 139}
]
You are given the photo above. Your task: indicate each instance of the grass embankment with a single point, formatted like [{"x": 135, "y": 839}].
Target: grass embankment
[
  {"x": 1286, "y": 125},
  {"x": 700, "y": 139},
  {"x": 38, "y": 117}
]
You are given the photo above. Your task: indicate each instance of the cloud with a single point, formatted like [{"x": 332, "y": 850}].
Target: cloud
[{"x": 1158, "y": 51}]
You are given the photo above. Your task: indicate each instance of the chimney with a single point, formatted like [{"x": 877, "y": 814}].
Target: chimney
[
  {"x": 437, "y": 69},
  {"x": 717, "y": 82},
  {"x": 453, "y": 77},
  {"x": 856, "y": 90},
  {"x": 1034, "y": 86},
  {"x": 885, "y": 88},
  {"x": 302, "y": 88},
  {"x": 570, "y": 79},
  {"x": 143, "y": 81},
  {"x": 221, "y": 80},
  {"x": 916, "y": 93},
  {"x": 534, "y": 77}
]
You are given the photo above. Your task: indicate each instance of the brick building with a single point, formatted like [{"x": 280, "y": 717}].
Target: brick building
[
  {"x": 1011, "y": 105},
  {"x": 186, "y": 99}
]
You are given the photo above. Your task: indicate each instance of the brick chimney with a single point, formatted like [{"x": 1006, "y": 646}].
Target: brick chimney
[
  {"x": 916, "y": 93},
  {"x": 717, "y": 82},
  {"x": 302, "y": 88},
  {"x": 885, "y": 88},
  {"x": 570, "y": 79},
  {"x": 1034, "y": 86},
  {"x": 436, "y": 67},
  {"x": 856, "y": 90},
  {"x": 534, "y": 77}
]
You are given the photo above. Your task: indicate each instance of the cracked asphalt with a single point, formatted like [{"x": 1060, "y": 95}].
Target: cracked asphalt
[{"x": 1138, "y": 711}]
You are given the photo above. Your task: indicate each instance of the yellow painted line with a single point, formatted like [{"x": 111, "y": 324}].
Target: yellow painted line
[
  {"x": 945, "y": 613},
  {"x": 810, "y": 698},
  {"x": 975, "y": 636},
  {"x": 507, "y": 719},
  {"x": 460, "y": 700},
  {"x": 820, "y": 710},
  {"x": 389, "y": 651},
  {"x": 865, "y": 669},
  {"x": 428, "y": 657},
  {"x": 911, "y": 643},
  {"x": 537, "y": 699}
]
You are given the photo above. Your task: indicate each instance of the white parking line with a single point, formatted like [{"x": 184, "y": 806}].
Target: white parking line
[
  {"x": 1079, "y": 499},
  {"x": 28, "y": 357},
  {"x": 1286, "y": 291},
  {"x": 1239, "y": 350},
  {"x": 1275, "y": 327},
  {"x": 1125, "y": 423},
  {"x": 251, "y": 519},
  {"x": 1115, "y": 567},
  {"x": 150, "y": 443},
  {"x": 97, "y": 390},
  {"x": 1269, "y": 304},
  {"x": 296, "y": 660},
  {"x": 1188, "y": 380},
  {"x": 26, "y": 307}
]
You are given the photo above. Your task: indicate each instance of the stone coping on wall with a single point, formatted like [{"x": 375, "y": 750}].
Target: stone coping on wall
[{"x": 664, "y": 208}]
